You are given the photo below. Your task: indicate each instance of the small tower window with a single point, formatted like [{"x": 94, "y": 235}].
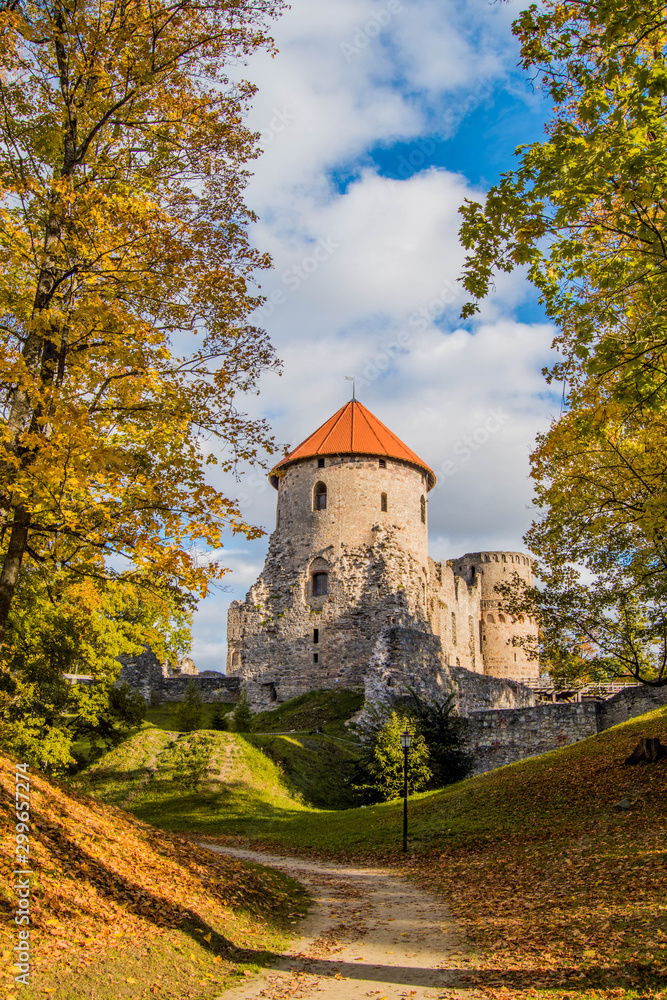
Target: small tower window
[
  {"x": 316, "y": 635},
  {"x": 383, "y": 463},
  {"x": 320, "y": 584},
  {"x": 320, "y": 463},
  {"x": 383, "y": 502},
  {"x": 320, "y": 497},
  {"x": 316, "y": 657},
  {"x": 454, "y": 630},
  {"x": 423, "y": 509},
  {"x": 501, "y": 618},
  {"x": 491, "y": 619}
]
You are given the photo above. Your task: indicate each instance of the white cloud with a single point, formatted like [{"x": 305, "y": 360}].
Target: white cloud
[{"x": 366, "y": 274}]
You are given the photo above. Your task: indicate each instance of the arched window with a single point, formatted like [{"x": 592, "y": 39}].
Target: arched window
[
  {"x": 320, "y": 584},
  {"x": 423, "y": 509},
  {"x": 491, "y": 619},
  {"x": 501, "y": 618},
  {"x": 383, "y": 502},
  {"x": 320, "y": 497}
]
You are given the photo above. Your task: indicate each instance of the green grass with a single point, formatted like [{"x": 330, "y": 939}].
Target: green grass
[
  {"x": 164, "y": 716},
  {"x": 329, "y": 710}
]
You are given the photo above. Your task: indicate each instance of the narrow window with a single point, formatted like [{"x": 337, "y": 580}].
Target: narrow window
[
  {"x": 423, "y": 509},
  {"x": 515, "y": 657},
  {"x": 320, "y": 463},
  {"x": 383, "y": 502},
  {"x": 320, "y": 584},
  {"x": 316, "y": 657},
  {"x": 453, "y": 629},
  {"x": 383, "y": 463},
  {"x": 316, "y": 635},
  {"x": 320, "y": 497}
]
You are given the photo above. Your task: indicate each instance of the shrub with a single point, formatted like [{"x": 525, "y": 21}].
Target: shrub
[
  {"x": 189, "y": 712},
  {"x": 242, "y": 715}
]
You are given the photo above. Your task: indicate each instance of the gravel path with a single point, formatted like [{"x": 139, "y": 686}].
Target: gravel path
[{"x": 371, "y": 933}]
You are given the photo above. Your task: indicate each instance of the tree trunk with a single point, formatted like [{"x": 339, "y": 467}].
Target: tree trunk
[{"x": 12, "y": 563}]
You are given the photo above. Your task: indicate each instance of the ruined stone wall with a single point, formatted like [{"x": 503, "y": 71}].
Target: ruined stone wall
[
  {"x": 503, "y": 737},
  {"x": 143, "y": 672},
  {"x": 454, "y": 612},
  {"x": 405, "y": 659},
  {"x": 629, "y": 703}
]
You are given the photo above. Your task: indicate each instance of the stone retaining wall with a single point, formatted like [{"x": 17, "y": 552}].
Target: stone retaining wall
[{"x": 503, "y": 737}]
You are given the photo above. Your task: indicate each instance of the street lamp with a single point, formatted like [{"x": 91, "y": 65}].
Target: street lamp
[{"x": 406, "y": 740}]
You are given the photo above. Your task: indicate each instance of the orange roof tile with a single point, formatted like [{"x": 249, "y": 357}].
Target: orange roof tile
[{"x": 353, "y": 430}]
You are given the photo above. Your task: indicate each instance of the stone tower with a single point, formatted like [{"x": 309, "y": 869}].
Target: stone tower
[
  {"x": 496, "y": 628},
  {"x": 348, "y": 557}
]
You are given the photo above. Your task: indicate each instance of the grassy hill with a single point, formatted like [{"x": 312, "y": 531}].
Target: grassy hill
[
  {"x": 556, "y": 866},
  {"x": 122, "y": 910},
  {"x": 161, "y": 774}
]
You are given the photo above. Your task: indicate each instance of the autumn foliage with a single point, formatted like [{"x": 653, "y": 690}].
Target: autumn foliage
[{"x": 109, "y": 892}]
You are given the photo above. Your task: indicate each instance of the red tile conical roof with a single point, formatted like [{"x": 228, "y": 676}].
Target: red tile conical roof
[{"x": 353, "y": 430}]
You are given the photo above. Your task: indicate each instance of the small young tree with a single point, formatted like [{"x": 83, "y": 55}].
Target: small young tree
[
  {"x": 381, "y": 765},
  {"x": 189, "y": 712},
  {"x": 242, "y": 716},
  {"x": 219, "y": 719}
]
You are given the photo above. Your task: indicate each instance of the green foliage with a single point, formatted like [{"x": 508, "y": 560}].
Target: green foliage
[
  {"x": 382, "y": 757},
  {"x": 242, "y": 717},
  {"x": 189, "y": 712},
  {"x": 128, "y": 706},
  {"x": 219, "y": 720},
  {"x": 443, "y": 732},
  {"x": 585, "y": 211}
]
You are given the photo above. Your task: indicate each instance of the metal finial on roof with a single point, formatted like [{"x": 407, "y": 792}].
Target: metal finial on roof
[{"x": 351, "y": 378}]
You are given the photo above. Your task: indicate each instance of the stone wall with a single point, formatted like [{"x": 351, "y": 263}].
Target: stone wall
[
  {"x": 503, "y": 737},
  {"x": 405, "y": 659},
  {"x": 629, "y": 703},
  {"x": 144, "y": 673}
]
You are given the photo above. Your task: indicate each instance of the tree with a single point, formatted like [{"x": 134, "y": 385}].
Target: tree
[
  {"x": 189, "y": 711},
  {"x": 59, "y": 629},
  {"x": 380, "y": 770},
  {"x": 219, "y": 719},
  {"x": 125, "y": 286},
  {"x": 585, "y": 212},
  {"x": 444, "y": 734},
  {"x": 242, "y": 718}
]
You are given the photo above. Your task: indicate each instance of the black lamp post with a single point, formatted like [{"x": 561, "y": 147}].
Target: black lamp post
[{"x": 406, "y": 740}]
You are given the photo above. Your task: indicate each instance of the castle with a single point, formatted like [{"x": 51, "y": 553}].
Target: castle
[
  {"x": 349, "y": 596},
  {"x": 348, "y": 588}
]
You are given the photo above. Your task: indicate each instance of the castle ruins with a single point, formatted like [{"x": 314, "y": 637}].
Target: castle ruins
[{"x": 348, "y": 579}]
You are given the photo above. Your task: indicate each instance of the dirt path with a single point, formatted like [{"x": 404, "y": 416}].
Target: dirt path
[{"x": 371, "y": 934}]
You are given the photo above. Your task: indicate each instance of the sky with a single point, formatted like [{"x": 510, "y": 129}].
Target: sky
[{"x": 377, "y": 120}]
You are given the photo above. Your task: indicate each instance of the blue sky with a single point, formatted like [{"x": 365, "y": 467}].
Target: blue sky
[{"x": 377, "y": 120}]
